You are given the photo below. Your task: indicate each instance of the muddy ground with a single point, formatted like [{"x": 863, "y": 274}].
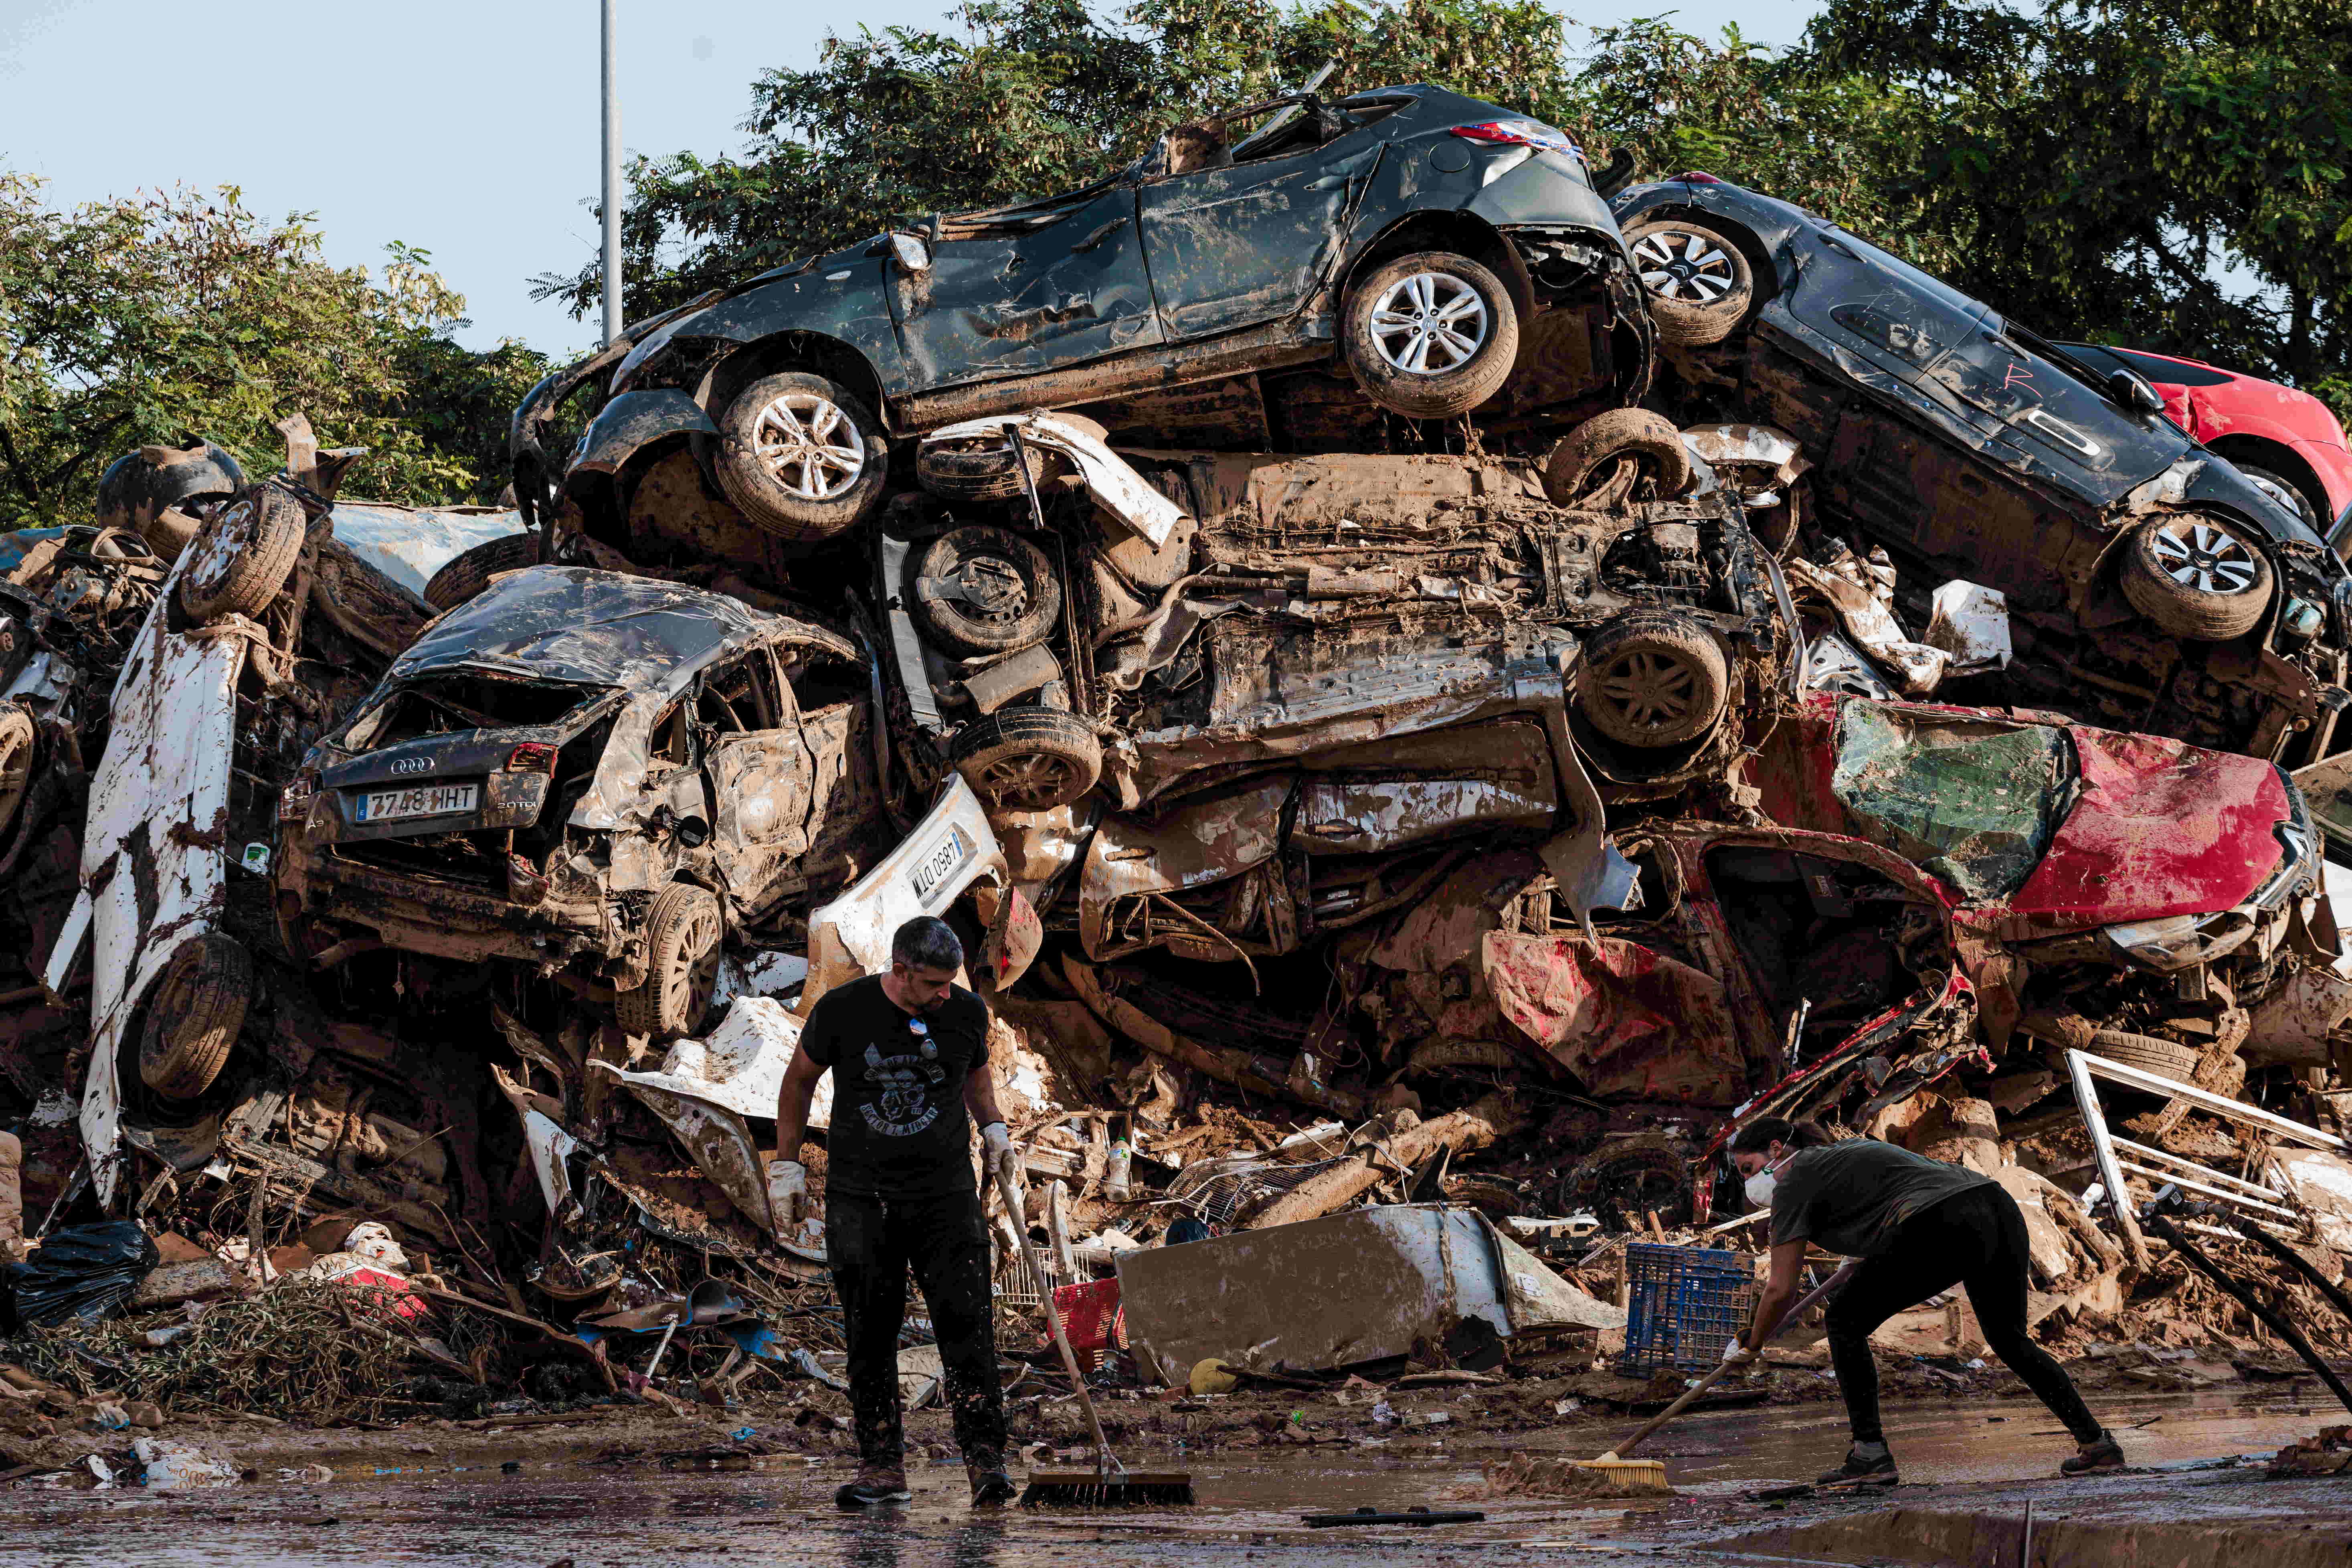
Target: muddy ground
[{"x": 639, "y": 1489}]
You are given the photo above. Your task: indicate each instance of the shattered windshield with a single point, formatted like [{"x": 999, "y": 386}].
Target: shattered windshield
[
  {"x": 1975, "y": 804},
  {"x": 578, "y": 627}
]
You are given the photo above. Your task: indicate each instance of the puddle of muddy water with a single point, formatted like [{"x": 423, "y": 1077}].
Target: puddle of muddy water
[{"x": 1982, "y": 1440}]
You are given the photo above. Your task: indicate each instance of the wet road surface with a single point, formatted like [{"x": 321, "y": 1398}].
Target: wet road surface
[{"x": 782, "y": 1512}]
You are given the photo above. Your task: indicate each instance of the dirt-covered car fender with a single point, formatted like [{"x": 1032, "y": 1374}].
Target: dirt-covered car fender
[{"x": 635, "y": 420}]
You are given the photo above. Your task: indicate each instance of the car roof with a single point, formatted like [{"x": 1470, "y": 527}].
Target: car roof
[{"x": 581, "y": 626}]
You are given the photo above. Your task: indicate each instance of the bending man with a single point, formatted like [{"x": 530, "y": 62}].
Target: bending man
[
  {"x": 1919, "y": 1226},
  {"x": 909, "y": 1053}
]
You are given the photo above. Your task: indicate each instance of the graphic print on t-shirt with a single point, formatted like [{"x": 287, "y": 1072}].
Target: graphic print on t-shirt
[{"x": 905, "y": 1105}]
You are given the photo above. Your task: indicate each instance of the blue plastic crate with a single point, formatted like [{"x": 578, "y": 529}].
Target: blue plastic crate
[{"x": 1683, "y": 1304}]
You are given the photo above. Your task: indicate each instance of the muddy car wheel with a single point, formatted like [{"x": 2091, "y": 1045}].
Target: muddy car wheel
[
  {"x": 1603, "y": 461},
  {"x": 2193, "y": 577},
  {"x": 1697, "y": 282},
  {"x": 801, "y": 457},
  {"x": 469, "y": 571},
  {"x": 1651, "y": 681},
  {"x": 2169, "y": 1059},
  {"x": 682, "y": 945},
  {"x": 2284, "y": 491},
  {"x": 984, "y": 590},
  {"x": 18, "y": 739},
  {"x": 1430, "y": 335},
  {"x": 243, "y": 556},
  {"x": 193, "y": 1017},
  {"x": 1028, "y": 759},
  {"x": 975, "y": 467}
]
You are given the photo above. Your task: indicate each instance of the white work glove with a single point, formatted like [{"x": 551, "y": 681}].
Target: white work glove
[
  {"x": 788, "y": 1192},
  {"x": 996, "y": 1153},
  {"x": 1738, "y": 1354}
]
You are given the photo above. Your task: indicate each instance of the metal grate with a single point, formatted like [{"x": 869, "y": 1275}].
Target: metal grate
[{"x": 1232, "y": 1192}]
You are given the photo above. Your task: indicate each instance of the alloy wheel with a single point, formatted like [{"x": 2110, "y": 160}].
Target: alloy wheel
[
  {"x": 1692, "y": 268},
  {"x": 810, "y": 444},
  {"x": 1428, "y": 324},
  {"x": 2196, "y": 555},
  {"x": 1654, "y": 690}
]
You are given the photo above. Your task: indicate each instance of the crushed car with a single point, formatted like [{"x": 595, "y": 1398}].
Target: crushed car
[
  {"x": 2151, "y": 586},
  {"x": 1166, "y": 617},
  {"x": 585, "y": 766},
  {"x": 1450, "y": 255}
]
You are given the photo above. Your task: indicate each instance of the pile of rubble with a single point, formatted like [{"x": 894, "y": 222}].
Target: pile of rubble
[{"x": 1408, "y": 806}]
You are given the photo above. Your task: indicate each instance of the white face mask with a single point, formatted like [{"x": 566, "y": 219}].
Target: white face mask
[{"x": 1759, "y": 1187}]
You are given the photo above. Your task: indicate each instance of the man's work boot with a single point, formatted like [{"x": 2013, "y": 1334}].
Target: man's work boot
[
  {"x": 2096, "y": 1458},
  {"x": 991, "y": 1486},
  {"x": 875, "y": 1485},
  {"x": 1866, "y": 1464}
]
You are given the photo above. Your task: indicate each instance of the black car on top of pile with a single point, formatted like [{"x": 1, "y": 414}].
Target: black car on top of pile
[
  {"x": 1430, "y": 243},
  {"x": 2151, "y": 586}
]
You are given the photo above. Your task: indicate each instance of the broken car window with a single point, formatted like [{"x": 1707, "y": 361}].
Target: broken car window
[
  {"x": 741, "y": 696},
  {"x": 1974, "y": 804},
  {"x": 445, "y": 704}
]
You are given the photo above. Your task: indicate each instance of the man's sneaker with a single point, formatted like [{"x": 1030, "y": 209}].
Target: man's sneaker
[
  {"x": 991, "y": 1486},
  {"x": 2096, "y": 1458},
  {"x": 1859, "y": 1472},
  {"x": 874, "y": 1487}
]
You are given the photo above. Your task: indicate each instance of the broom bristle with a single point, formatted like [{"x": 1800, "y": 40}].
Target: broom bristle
[{"x": 1084, "y": 1488}]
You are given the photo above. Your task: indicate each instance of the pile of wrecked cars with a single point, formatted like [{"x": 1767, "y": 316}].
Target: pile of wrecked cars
[{"x": 1351, "y": 612}]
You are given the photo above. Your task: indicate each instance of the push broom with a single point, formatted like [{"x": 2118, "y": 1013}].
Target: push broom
[
  {"x": 1109, "y": 1484},
  {"x": 1631, "y": 1477}
]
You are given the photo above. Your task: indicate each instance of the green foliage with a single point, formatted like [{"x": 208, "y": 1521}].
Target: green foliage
[
  {"x": 161, "y": 317},
  {"x": 2095, "y": 165},
  {"x": 1031, "y": 97}
]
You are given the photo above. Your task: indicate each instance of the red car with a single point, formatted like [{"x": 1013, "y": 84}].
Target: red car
[{"x": 2286, "y": 441}]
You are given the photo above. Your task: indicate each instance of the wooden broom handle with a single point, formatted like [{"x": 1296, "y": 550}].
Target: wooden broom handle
[{"x": 1104, "y": 1463}]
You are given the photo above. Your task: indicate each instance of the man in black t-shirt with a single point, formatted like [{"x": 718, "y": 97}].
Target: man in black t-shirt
[{"x": 908, "y": 1053}]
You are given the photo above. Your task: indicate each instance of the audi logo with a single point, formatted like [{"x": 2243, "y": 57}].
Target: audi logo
[{"x": 412, "y": 765}]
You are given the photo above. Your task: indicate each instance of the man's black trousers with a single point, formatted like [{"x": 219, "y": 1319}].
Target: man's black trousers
[
  {"x": 1977, "y": 1237},
  {"x": 871, "y": 1244}
]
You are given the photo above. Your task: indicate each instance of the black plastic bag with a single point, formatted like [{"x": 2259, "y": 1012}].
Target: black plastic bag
[{"x": 85, "y": 1272}]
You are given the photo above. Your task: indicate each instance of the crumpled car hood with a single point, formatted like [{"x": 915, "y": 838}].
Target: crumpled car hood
[
  {"x": 579, "y": 627},
  {"x": 2159, "y": 827}
]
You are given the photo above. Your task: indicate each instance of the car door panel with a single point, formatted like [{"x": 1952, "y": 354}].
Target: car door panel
[
  {"x": 761, "y": 783},
  {"x": 1072, "y": 287},
  {"x": 1235, "y": 247}
]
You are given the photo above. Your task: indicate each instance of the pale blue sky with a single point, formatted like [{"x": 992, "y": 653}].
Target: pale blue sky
[{"x": 464, "y": 127}]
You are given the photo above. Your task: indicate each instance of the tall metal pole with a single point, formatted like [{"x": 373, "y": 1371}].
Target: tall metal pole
[{"x": 612, "y": 182}]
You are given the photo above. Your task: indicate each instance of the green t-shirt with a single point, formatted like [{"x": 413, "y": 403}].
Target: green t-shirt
[{"x": 1850, "y": 1198}]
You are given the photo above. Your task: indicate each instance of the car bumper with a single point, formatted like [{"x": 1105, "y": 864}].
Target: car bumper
[{"x": 446, "y": 920}]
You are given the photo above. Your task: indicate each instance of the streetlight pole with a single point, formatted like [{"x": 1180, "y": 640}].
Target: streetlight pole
[{"x": 612, "y": 182}]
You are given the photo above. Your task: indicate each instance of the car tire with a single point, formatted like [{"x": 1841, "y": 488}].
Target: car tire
[
  {"x": 804, "y": 426},
  {"x": 1594, "y": 458},
  {"x": 2195, "y": 577},
  {"x": 19, "y": 738},
  {"x": 193, "y": 1015},
  {"x": 1028, "y": 759},
  {"x": 1384, "y": 334},
  {"x": 2147, "y": 1052},
  {"x": 980, "y": 467},
  {"x": 1696, "y": 280},
  {"x": 976, "y": 468},
  {"x": 469, "y": 571},
  {"x": 2288, "y": 491},
  {"x": 243, "y": 556},
  {"x": 984, "y": 590},
  {"x": 683, "y": 942},
  {"x": 1652, "y": 680}
]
